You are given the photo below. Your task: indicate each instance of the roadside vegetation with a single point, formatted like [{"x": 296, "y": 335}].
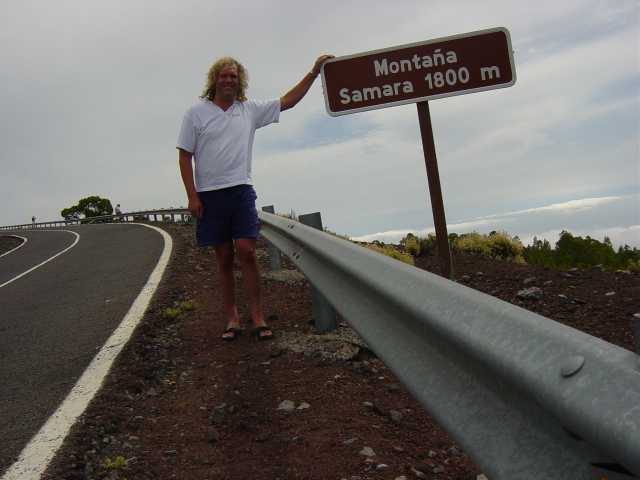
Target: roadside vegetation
[
  {"x": 569, "y": 251},
  {"x": 574, "y": 251},
  {"x": 178, "y": 309},
  {"x": 391, "y": 251}
]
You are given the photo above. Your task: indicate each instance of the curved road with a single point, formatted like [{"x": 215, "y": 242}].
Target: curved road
[{"x": 54, "y": 319}]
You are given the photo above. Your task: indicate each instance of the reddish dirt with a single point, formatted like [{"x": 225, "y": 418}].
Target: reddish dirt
[
  {"x": 179, "y": 403},
  {"x": 579, "y": 298}
]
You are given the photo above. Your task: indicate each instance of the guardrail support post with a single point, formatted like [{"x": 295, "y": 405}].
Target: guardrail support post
[
  {"x": 636, "y": 332},
  {"x": 272, "y": 251},
  {"x": 324, "y": 315}
]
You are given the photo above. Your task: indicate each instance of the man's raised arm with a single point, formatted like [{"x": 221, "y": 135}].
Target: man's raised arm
[{"x": 293, "y": 96}]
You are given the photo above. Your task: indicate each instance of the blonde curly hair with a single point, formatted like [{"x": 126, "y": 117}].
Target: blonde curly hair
[{"x": 209, "y": 91}]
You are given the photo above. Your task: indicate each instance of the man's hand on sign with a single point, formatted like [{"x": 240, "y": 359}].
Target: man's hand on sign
[
  {"x": 293, "y": 96},
  {"x": 321, "y": 59}
]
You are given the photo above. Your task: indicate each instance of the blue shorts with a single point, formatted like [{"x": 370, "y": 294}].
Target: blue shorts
[{"x": 229, "y": 214}]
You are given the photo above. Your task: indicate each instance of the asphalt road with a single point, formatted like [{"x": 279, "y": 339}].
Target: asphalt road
[{"x": 54, "y": 319}]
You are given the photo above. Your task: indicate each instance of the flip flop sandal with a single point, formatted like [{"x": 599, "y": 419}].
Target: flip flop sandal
[
  {"x": 235, "y": 333},
  {"x": 258, "y": 333}
]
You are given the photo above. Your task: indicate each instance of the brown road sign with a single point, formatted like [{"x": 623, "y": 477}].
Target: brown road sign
[{"x": 466, "y": 63}]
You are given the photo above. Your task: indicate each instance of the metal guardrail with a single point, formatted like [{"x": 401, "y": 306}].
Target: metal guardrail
[
  {"x": 525, "y": 396},
  {"x": 183, "y": 213}
]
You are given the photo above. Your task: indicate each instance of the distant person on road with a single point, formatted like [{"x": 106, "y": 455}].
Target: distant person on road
[
  {"x": 119, "y": 212},
  {"x": 218, "y": 133},
  {"x": 33, "y": 219}
]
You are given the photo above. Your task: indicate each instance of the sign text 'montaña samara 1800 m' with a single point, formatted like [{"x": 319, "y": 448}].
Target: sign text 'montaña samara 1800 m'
[{"x": 466, "y": 63}]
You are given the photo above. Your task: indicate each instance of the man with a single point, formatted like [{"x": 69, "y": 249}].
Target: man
[{"x": 218, "y": 134}]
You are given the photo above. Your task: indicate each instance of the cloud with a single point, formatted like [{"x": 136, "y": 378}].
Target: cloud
[{"x": 565, "y": 207}]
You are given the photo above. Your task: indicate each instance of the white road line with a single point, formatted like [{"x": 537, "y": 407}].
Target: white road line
[
  {"x": 47, "y": 260},
  {"x": 39, "y": 452},
  {"x": 25, "y": 240}
]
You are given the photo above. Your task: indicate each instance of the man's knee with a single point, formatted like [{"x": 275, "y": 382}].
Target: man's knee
[
  {"x": 246, "y": 250},
  {"x": 224, "y": 255}
]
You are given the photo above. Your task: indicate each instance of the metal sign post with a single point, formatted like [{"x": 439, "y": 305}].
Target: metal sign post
[
  {"x": 433, "y": 177},
  {"x": 415, "y": 73}
]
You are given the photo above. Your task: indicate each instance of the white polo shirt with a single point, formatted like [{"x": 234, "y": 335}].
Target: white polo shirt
[{"x": 222, "y": 141}]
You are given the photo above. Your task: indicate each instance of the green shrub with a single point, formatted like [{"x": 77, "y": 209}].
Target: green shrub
[
  {"x": 186, "y": 306},
  {"x": 519, "y": 259},
  {"x": 117, "y": 463},
  {"x": 574, "y": 251},
  {"x": 389, "y": 251},
  {"x": 171, "y": 312},
  {"x": 178, "y": 309},
  {"x": 539, "y": 253},
  {"x": 473, "y": 243},
  {"x": 428, "y": 245},
  {"x": 411, "y": 244},
  {"x": 497, "y": 245},
  {"x": 502, "y": 246},
  {"x": 633, "y": 266},
  {"x": 583, "y": 252}
]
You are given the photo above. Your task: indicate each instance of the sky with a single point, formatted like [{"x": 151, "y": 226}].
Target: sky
[{"x": 94, "y": 91}]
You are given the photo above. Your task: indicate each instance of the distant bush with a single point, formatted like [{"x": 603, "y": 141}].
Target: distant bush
[
  {"x": 497, "y": 245},
  {"x": 633, "y": 266},
  {"x": 574, "y": 251},
  {"x": 411, "y": 244},
  {"x": 427, "y": 244},
  {"x": 390, "y": 251},
  {"x": 502, "y": 246},
  {"x": 473, "y": 243}
]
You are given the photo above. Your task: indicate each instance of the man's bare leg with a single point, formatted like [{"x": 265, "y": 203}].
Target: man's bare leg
[
  {"x": 246, "y": 249},
  {"x": 224, "y": 255}
]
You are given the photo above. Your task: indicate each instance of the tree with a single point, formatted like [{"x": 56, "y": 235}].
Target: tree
[{"x": 88, "y": 207}]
